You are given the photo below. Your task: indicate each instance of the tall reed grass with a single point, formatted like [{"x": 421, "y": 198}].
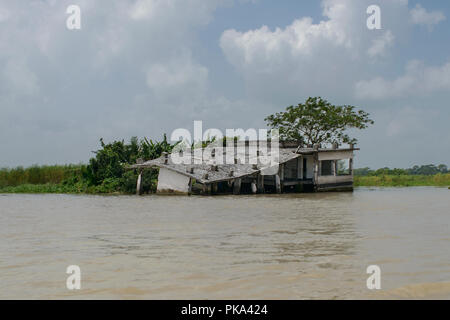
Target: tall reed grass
[
  {"x": 38, "y": 175},
  {"x": 439, "y": 180}
]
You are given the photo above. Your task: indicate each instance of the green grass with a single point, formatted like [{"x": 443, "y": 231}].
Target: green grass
[
  {"x": 36, "y": 175},
  {"x": 438, "y": 180},
  {"x": 61, "y": 188},
  {"x": 41, "y": 188}
]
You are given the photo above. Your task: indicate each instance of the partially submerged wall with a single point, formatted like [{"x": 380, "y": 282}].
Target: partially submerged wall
[{"x": 172, "y": 182}]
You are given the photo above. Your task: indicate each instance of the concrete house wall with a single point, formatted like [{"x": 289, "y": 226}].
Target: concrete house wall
[
  {"x": 333, "y": 181},
  {"x": 172, "y": 182}
]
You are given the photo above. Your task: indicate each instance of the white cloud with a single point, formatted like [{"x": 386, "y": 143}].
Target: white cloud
[
  {"x": 406, "y": 121},
  {"x": 418, "y": 79},
  {"x": 380, "y": 45},
  {"x": 301, "y": 38},
  {"x": 78, "y": 86},
  {"x": 143, "y": 9},
  {"x": 420, "y": 15},
  {"x": 179, "y": 77},
  {"x": 19, "y": 78},
  {"x": 4, "y": 14},
  {"x": 192, "y": 12},
  {"x": 308, "y": 58}
]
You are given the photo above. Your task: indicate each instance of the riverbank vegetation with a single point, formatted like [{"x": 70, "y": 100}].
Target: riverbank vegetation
[
  {"x": 105, "y": 173},
  {"x": 426, "y": 175},
  {"x": 438, "y": 180}
]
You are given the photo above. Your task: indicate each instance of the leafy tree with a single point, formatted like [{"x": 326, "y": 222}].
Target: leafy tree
[
  {"x": 317, "y": 121},
  {"x": 362, "y": 171},
  {"x": 442, "y": 168},
  {"x": 427, "y": 170},
  {"x": 107, "y": 172}
]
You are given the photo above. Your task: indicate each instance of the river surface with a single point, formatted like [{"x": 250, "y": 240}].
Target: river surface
[{"x": 296, "y": 246}]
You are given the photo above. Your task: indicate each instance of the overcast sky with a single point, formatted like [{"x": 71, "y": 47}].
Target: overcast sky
[{"x": 145, "y": 67}]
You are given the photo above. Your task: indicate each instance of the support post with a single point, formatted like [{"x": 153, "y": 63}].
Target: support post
[
  {"x": 335, "y": 167},
  {"x": 190, "y": 186},
  {"x": 237, "y": 186},
  {"x": 139, "y": 184},
  {"x": 277, "y": 183},
  {"x": 316, "y": 170},
  {"x": 254, "y": 188},
  {"x": 260, "y": 183},
  {"x": 206, "y": 188},
  {"x": 282, "y": 176}
]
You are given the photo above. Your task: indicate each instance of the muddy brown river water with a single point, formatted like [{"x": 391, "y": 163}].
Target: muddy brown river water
[{"x": 296, "y": 246}]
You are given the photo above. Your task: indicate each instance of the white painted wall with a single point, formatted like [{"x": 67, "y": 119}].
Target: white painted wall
[
  {"x": 334, "y": 179},
  {"x": 170, "y": 181},
  {"x": 335, "y": 155},
  {"x": 309, "y": 167}
]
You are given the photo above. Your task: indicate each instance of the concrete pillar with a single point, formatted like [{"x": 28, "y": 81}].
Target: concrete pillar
[
  {"x": 166, "y": 157},
  {"x": 190, "y": 186},
  {"x": 206, "y": 188},
  {"x": 316, "y": 168},
  {"x": 254, "y": 188},
  {"x": 300, "y": 168},
  {"x": 316, "y": 171},
  {"x": 281, "y": 173},
  {"x": 139, "y": 184},
  {"x": 277, "y": 183},
  {"x": 237, "y": 186},
  {"x": 260, "y": 183}
]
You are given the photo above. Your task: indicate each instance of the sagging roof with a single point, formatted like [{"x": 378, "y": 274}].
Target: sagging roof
[{"x": 210, "y": 173}]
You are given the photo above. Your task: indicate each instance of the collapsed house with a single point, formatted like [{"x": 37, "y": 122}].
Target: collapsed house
[{"x": 293, "y": 168}]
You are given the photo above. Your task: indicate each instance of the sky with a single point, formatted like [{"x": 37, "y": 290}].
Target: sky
[{"x": 147, "y": 67}]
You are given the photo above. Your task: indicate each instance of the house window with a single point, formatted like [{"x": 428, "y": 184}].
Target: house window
[
  {"x": 327, "y": 168},
  {"x": 343, "y": 167}
]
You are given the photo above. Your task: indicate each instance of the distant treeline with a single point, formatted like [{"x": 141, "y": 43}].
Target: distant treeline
[
  {"x": 426, "y": 170},
  {"x": 426, "y": 175},
  {"x": 403, "y": 180}
]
